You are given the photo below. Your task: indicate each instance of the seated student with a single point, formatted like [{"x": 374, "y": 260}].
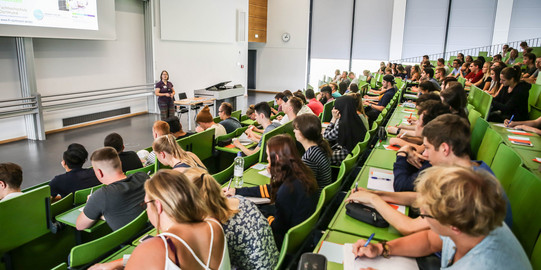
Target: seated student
[
  {"x": 533, "y": 77},
  {"x": 447, "y": 144},
  {"x": 279, "y": 99},
  {"x": 374, "y": 109},
  {"x": 291, "y": 109},
  {"x": 171, "y": 154},
  {"x": 343, "y": 87},
  {"x": 346, "y": 128},
  {"x": 512, "y": 100},
  {"x": 464, "y": 210},
  {"x": 11, "y": 178},
  {"x": 428, "y": 74},
  {"x": 439, "y": 75},
  {"x": 76, "y": 177},
  {"x": 368, "y": 76},
  {"x": 336, "y": 75},
  {"x": 528, "y": 125},
  {"x": 446, "y": 82},
  {"x": 402, "y": 129},
  {"x": 249, "y": 237},
  {"x": 263, "y": 112},
  {"x": 353, "y": 88},
  {"x": 304, "y": 109},
  {"x": 119, "y": 200},
  {"x": 360, "y": 108},
  {"x": 293, "y": 188},
  {"x": 175, "y": 127},
  {"x": 205, "y": 121},
  {"x": 469, "y": 59},
  {"x": 250, "y": 112},
  {"x": 188, "y": 238},
  {"x": 415, "y": 73},
  {"x": 401, "y": 72},
  {"x": 455, "y": 97},
  {"x": 130, "y": 160},
  {"x": 159, "y": 128},
  {"x": 464, "y": 70},
  {"x": 427, "y": 111},
  {"x": 352, "y": 78},
  {"x": 495, "y": 85},
  {"x": 456, "y": 68},
  {"x": 317, "y": 155},
  {"x": 513, "y": 55},
  {"x": 313, "y": 104},
  {"x": 426, "y": 87},
  {"x": 326, "y": 95},
  {"x": 335, "y": 90},
  {"x": 229, "y": 123}
]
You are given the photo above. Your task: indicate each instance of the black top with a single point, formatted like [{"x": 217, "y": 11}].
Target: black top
[
  {"x": 130, "y": 161},
  {"x": 387, "y": 96},
  {"x": 118, "y": 202},
  {"x": 231, "y": 124},
  {"x": 514, "y": 103},
  {"x": 185, "y": 135},
  {"x": 76, "y": 179}
]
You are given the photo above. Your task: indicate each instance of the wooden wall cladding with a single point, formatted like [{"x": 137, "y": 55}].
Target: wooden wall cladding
[{"x": 257, "y": 21}]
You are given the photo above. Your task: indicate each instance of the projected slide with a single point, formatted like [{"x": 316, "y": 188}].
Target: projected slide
[{"x": 71, "y": 14}]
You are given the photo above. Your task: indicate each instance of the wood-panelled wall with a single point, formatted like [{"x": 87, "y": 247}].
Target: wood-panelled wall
[{"x": 257, "y": 21}]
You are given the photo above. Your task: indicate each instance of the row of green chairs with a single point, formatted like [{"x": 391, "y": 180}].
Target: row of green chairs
[{"x": 480, "y": 100}]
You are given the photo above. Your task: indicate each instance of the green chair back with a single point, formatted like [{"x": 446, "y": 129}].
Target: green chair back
[
  {"x": 477, "y": 135},
  {"x": 236, "y": 114},
  {"x": 484, "y": 54},
  {"x": 489, "y": 146},
  {"x": 505, "y": 164},
  {"x": 535, "y": 259},
  {"x": 327, "y": 112},
  {"x": 484, "y": 104},
  {"x": 283, "y": 129},
  {"x": 524, "y": 197},
  {"x": 62, "y": 266},
  {"x": 473, "y": 115},
  {"x": 271, "y": 103},
  {"x": 201, "y": 144},
  {"x": 296, "y": 235},
  {"x": 80, "y": 196},
  {"x": 461, "y": 80},
  {"x": 237, "y": 132},
  {"x": 331, "y": 190},
  {"x": 379, "y": 119},
  {"x": 89, "y": 252},
  {"x": 217, "y": 119},
  {"x": 225, "y": 175},
  {"x": 62, "y": 205},
  {"x": 372, "y": 131},
  {"x": 24, "y": 218},
  {"x": 148, "y": 170},
  {"x": 251, "y": 159}
]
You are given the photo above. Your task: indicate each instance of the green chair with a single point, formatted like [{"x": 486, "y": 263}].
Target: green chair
[
  {"x": 237, "y": 132},
  {"x": 379, "y": 119},
  {"x": 372, "y": 131},
  {"x": 217, "y": 119},
  {"x": 296, "y": 235},
  {"x": 505, "y": 164},
  {"x": 283, "y": 129},
  {"x": 535, "y": 259},
  {"x": 473, "y": 115},
  {"x": 483, "y": 54},
  {"x": 327, "y": 112},
  {"x": 461, "y": 80},
  {"x": 485, "y": 102},
  {"x": 225, "y": 175},
  {"x": 62, "y": 266},
  {"x": 202, "y": 144},
  {"x": 24, "y": 218},
  {"x": 489, "y": 145},
  {"x": 62, "y": 205},
  {"x": 524, "y": 197},
  {"x": 80, "y": 196},
  {"x": 87, "y": 253},
  {"x": 251, "y": 159},
  {"x": 148, "y": 170},
  {"x": 331, "y": 190},
  {"x": 477, "y": 135},
  {"x": 236, "y": 114}
]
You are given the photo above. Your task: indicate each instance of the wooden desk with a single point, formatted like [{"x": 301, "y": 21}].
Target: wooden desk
[{"x": 193, "y": 101}]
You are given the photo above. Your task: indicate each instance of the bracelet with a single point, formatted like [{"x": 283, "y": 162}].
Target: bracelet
[
  {"x": 404, "y": 152},
  {"x": 385, "y": 250},
  {"x": 398, "y": 131}
]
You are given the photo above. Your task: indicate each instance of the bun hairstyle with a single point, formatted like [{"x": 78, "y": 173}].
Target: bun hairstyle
[
  {"x": 512, "y": 72},
  {"x": 204, "y": 116},
  {"x": 75, "y": 156}
]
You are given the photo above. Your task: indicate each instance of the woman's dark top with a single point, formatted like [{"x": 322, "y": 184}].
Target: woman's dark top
[
  {"x": 320, "y": 164},
  {"x": 514, "y": 103},
  {"x": 164, "y": 88}
]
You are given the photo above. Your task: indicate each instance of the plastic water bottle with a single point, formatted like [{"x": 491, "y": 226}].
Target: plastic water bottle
[{"x": 238, "y": 171}]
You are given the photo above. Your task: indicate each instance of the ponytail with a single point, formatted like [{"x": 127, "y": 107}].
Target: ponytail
[
  {"x": 168, "y": 144},
  {"x": 513, "y": 72},
  {"x": 211, "y": 193}
]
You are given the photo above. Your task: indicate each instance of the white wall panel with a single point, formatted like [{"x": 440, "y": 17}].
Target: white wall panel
[
  {"x": 331, "y": 28},
  {"x": 525, "y": 20},
  {"x": 372, "y": 34},
  {"x": 471, "y": 24}
]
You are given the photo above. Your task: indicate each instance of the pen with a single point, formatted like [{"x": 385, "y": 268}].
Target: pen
[
  {"x": 380, "y": 178},
  {"x": 410, "y": 115},
  {"x": 367, "y": 242},
  {"x": 229, "y": 184},
  {"x": 356, "y": 186},
  {"x": 510, "y": 120}
]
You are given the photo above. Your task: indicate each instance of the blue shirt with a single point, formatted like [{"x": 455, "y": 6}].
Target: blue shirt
[
  {"x": 498, "y": 250},
  {"x": 270, "y": 127}
]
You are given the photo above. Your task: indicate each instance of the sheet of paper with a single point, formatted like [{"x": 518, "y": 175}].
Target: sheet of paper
[
  {"x": 244, "y": 139},
  {"x": 410, "y": 96},
  {"x": 259, "y": 166},
  {"x": 257, "y": 200},
  {"x": 399, "y": 208},
  {"x": 265, "y": 173},
  {"x": 519, "y": 132},
  {"x": 538, "y": 160},
  {"x": 379, "y": 179},
  {"x": 518, "y": 138},
  {"x": 394, "y": 262},
  {"x": 409, "y": 105},
  {"x": 81, "y": 209},
  {"x": 500, "y": 125},
  {"x": 391, "y": 147},
  {"x": 332, "y": 251}
]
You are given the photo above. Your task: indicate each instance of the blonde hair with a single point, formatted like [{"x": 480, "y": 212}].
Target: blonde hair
[
  {"x": 169, "y": 145},
  {"x": 179, "y": 197},
  {"x": 471, "y": 201},
  {"x": 211, "y": 192}
]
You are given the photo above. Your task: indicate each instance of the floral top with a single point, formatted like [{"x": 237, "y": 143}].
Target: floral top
[{"x": 249, "y": 238}]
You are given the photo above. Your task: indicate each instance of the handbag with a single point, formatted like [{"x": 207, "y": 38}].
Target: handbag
[{"x": 366, "y": 214}]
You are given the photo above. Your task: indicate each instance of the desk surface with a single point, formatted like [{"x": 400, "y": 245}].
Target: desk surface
[
  {"x": 337, "y": 238},
  {"x": 535, "y": 139},
  {"x": 193, "y": 101},
  {"x": 381, "y": 158},
  {"x": 252, "y": 178},
  {"x": 70, "y": 218},
  {"x": 527, "y": 157},
  {"x": 119, "y": 254}
]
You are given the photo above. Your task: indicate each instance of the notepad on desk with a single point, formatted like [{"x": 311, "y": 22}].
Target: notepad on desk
[
  {"x": 265, "y": 173},
  {"x": 393, "y": 262},
  {"x": 518, "y": 140},
  {"x": 332, "y": 251},
  {"x": 259, "y": 166},
  {"x": 391, "y": 147},
  {"x": 379, "y": 179},
  {"x": 519, "y": 132},
  {"x": 258, "y": 200}
]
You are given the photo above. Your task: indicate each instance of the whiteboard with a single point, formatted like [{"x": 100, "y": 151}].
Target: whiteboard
[{"x": 200, "y": 20}]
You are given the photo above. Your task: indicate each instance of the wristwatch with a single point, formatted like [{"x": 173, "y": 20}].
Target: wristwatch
[
  {"x": 403, "y": 152},
  {"x": 385, "y": 250}
]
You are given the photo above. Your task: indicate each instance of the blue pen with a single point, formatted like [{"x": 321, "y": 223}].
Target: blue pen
[
  {"x": 367, "y": 242},
  {"x": 510, "y": 120}
]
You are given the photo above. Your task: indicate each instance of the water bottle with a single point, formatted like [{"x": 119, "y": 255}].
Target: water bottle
[{"x": 238, "y": 171}]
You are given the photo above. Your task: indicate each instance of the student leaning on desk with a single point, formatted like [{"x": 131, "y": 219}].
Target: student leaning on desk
[{"x": 465, "y": 211}]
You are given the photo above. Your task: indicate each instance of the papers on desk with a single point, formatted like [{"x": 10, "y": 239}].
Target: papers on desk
[
  {"x": 324, "y": 125},
  {"x": 391, "y": 147},
  {"x": 244, "y": 140},
  {"x": 259, "y": 166},
  {"x": 410, "y": 110},
  {"x": 538, "y": 160},
  {"x": 265, "y": 173},
  {"x": 332, "y": 251},
  {"x": 410, "y": 96},
  {"x": 519, "y": 132},
  {"x": 258, "y": 200},
  {"x": 398, "y": 207},
  {"x": 379, "y": 179},
  {"x": 394, "y": 262},
  {"x": 409, "y": 105},
  {"x": 501, "y": 125},
  {"x": 518, "y": 140}
]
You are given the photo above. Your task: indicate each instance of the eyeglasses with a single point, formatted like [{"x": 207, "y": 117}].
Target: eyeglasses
[
  {"x": 144, "y": 204},
  {"x": 426, "y": 216}
]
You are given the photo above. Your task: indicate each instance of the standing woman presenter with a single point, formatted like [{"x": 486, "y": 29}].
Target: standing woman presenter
[{"x": 166, "y": 95}]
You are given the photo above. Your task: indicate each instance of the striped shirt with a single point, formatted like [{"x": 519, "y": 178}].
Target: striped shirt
[{"x": 320, "y": 164}]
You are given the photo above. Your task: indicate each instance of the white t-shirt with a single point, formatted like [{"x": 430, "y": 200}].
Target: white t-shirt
[
  {"x": 219, "y": 130},
  {"x": 11, "y": 195}
]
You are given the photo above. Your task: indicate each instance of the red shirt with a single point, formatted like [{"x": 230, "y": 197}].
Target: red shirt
[
  {"x": 475, "y": 77},
  {"x": 315, "y": 106}
]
